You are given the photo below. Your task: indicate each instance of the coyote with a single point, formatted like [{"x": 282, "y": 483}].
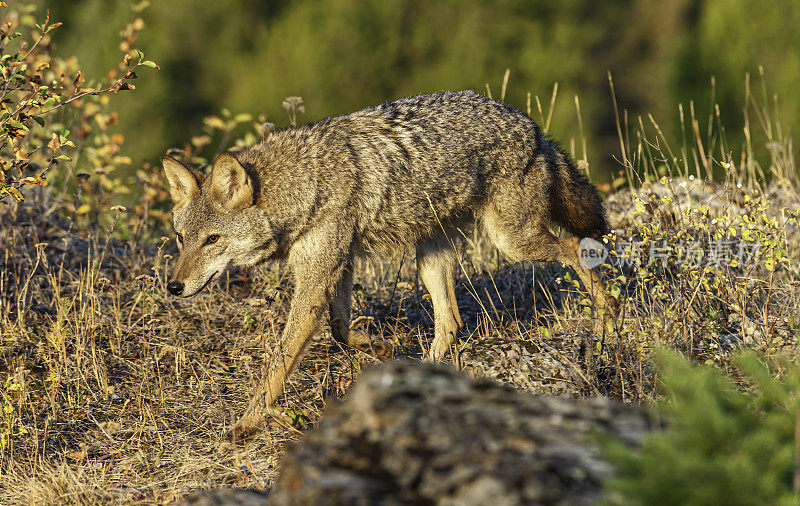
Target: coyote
[{"x": 410, "y": 172}]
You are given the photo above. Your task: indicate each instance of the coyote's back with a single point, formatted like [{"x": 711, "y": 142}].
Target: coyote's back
[{"x": 404, "y": 169}]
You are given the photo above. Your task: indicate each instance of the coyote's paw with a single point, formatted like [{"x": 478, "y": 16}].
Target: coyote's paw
[
  {"x": 438, "y": 350},
  {"x": 612, "y": 306},
  {"x": 251, "y": 423},
  {"x": 254, "y": 420},
  {"x": 375, "y": 346},
  {"x": 610, "y": 315}
]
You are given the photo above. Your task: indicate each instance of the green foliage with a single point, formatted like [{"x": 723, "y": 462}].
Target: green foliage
[
  {"x": 247, "y": 56},
  {"x": 713, "y": 256},
  {"x": 723, "y": 443},
  {"x": 728, "y": 48},
  {"x": 40, "y": 93}
]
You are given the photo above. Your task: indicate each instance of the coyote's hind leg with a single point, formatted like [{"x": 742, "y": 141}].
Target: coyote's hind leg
[
  {"x": 535, "y": 243},
  {"x": 568, "y": 251},
  {"x": 437, "y": 262}
]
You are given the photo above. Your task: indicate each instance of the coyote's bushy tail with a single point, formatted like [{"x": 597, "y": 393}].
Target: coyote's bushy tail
[{"x": 575, "y": 203}]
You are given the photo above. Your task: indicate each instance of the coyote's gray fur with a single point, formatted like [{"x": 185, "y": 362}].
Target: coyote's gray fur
[{"x": 409, "y": 172}]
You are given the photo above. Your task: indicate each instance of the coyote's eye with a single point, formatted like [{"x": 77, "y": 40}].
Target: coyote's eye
[
  {"x": 180, "y": 238},
  {"x": 212, "y": 239}
]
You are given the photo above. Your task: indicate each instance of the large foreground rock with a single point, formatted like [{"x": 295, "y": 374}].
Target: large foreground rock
[{"x": 425, "y": 434}]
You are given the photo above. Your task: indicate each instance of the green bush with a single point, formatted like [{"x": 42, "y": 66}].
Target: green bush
[
  {"x": 724, "y": 443},
  {"x": 51, "y": 114}
]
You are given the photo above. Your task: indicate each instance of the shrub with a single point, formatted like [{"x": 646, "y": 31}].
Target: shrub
[
  {"x": 48, "y": 108},
  {"x": 724, "y": 443}
]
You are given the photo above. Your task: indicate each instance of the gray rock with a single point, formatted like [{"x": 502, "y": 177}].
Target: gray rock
[
  {"x": 227, "y": 497},
  {"x": 523, "y": 365},
  {"x": 415, "y": 433}
]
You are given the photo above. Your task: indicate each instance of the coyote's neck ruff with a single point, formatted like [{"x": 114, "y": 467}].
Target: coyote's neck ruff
[{"x": 409, "y": 172}]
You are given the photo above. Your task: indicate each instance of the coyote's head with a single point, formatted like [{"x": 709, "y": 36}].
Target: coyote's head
[{"x": 216, "y": 222}]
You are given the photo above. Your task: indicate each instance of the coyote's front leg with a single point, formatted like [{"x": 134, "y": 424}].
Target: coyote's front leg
[
  {"x": 340, "y": 321},
  {"x": 313, "y": 289}
]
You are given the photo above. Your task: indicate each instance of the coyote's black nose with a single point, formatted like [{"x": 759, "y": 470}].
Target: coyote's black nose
[{"x": 175, "y": 287}]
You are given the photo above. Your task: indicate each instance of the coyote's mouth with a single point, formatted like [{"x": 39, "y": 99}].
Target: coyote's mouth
[{"x": 204, "y": 285}]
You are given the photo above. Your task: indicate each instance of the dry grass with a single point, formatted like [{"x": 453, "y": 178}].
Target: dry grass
[
  {"x": 114, "y": 392},
  {"x": 121, "y": 393}
]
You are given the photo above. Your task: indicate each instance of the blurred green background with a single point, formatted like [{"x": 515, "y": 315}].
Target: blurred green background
[{"x": 342, "y": 55}]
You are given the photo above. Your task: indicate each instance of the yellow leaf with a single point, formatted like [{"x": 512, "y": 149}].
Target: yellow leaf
[
  {"x": 214, "y": 122},
  {"x": 15, "y": 193},
  {"x": 83, "y": 209},
  {"x": 55, "y": 143}
]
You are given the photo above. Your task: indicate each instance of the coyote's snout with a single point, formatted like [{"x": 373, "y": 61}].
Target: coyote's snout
[{"x": 406, "y": 173}]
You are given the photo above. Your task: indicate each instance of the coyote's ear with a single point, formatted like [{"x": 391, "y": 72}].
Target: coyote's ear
[
  {"x": 182, "y": 180},
  {"x": 230, "y": 185}
]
